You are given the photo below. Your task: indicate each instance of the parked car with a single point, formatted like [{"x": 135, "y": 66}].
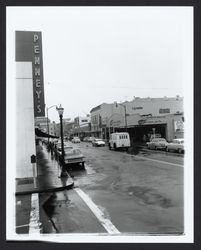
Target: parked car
[
  {"x": 119, "y": 140},
  {"x": 76, "y": 140},
  {"x": 59, "y": 150},
  {"x": 157, "y": 143},
  {"x": 98, "y": 142},
  {"x": 90, "y": 139},
  {"x": 176, "y": 145},
  {"x": 73, "y": 157},
  {"x": 85, "y": 139}
]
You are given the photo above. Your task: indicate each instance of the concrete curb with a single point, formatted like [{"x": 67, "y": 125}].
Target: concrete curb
[{"x": 53, "y": 189}]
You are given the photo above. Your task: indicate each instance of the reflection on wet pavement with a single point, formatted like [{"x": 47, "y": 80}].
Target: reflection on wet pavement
[
  {"x": 150, "y": 196},
  {"x": 56, "y": 200}
]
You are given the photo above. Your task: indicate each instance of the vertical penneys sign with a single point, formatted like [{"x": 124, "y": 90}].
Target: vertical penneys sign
[
  {"x": 37, "y": 76},
  {"x": 29, "y": 48}
]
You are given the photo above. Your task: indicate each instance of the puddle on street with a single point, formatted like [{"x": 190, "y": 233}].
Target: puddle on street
[
  {"x": 89, "y": 170},
  {"x": 150, "y": 196},
  {"x": 86, "y": 177},
  {"x": 81, "y": 172}
]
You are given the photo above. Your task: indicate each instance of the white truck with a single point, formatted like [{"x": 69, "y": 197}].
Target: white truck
[{"x": 119, "y": 140}]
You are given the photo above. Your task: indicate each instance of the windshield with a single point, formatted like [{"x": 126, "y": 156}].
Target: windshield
[
  {"x": 178, "y": 141},
  {"x": 67, "y": 148},
  {"x": 72, "y": 152}
]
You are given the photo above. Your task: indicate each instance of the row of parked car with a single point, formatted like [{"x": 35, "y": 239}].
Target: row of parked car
[
  {"x": 122, "y": 140},
  {"x": 177, "y": 145},
  {"x": 95, "y": 141}
]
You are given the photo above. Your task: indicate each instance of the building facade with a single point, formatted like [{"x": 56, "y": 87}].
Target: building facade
[
  {"x": 41, "y": 123},
  {"x": 141, "y": 117},
  {"x": 81, "y": 127}
]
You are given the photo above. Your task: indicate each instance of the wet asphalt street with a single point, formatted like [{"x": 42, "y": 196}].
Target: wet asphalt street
[{"x": 118, "y": 193}]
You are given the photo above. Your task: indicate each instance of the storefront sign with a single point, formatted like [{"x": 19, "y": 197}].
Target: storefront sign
[
  {"x": 179, "y": 126},
  {"x": 142, "y": 122},
  {"x": 114, "y": 123},
  {"x": 29, "y": 49},
  {"x": 164, "y": 111},
  {"x": 149, "y": 121},
  {"x": 37, "y": 76},
  {"x": 136, "y": 108}
]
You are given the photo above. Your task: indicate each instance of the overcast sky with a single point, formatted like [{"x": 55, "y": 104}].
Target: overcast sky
[{"x": 93, "y": 55}]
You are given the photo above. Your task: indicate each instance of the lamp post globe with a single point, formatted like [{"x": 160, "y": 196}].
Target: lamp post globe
[{"x": 60, "y": 110}]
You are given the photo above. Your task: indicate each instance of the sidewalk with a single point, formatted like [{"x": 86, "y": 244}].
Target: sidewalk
[{"x": 48, "y": 176}]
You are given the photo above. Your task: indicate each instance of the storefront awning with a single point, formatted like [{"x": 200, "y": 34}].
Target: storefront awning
[{"x": 40, "y": 133}]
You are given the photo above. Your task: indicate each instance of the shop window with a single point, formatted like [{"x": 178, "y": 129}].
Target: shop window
[{"x": 164, "y": 111}]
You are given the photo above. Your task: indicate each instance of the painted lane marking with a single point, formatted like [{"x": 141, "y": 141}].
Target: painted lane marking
[
  {"x": 34, "y": 223},
  {"x": 164, "y": 162},
  {"x": 106, "y": 223}
]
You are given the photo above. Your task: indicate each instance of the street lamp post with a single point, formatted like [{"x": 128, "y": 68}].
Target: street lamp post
[
  {"x": 60, "y": 111},
  {"x": 48, "y": 121}
]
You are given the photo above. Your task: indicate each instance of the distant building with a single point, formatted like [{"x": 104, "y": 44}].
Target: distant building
[
  {"x": 141, "y": 117},
  {"x": 82, "y": 126},
  {"x": 66, "y": 121},
  {"x": 66, "y": 127},
  {"x": 52, "y": 128},
  {"x": 41, "y": 123},
  {"x": 69, "y": 128}
]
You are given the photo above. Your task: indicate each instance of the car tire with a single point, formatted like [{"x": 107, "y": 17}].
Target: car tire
[
  {"x": 115, "y": 147},
  {"x": 179, "y": 150},
  {"x": 167, "y": 150},
  {"x": 109, "y": 147}
]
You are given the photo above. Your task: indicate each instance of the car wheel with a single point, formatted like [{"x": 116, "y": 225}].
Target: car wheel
[
  {"x": 83, "y": 165},
  {"x": 167, "y": 149},
  {"x": 109, "y": 147},
  {"x": 115, "y": 147},
  {"x": 179, "y": 151}
]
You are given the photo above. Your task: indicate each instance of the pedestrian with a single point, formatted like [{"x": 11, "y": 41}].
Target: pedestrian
[{"x": 51, "y": 150}]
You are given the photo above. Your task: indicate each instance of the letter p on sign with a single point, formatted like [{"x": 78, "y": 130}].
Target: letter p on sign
[{"x": 35, "y": 38}]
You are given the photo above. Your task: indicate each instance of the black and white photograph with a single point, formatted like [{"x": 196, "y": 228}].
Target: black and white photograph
[{"x": 99, "y": 114}]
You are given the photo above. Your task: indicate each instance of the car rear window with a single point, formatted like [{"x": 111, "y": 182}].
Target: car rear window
[
  {"x": 71, "y": 152},
  {"x": 178, "y": 141},
  {"x": 68, "y": 148}
]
